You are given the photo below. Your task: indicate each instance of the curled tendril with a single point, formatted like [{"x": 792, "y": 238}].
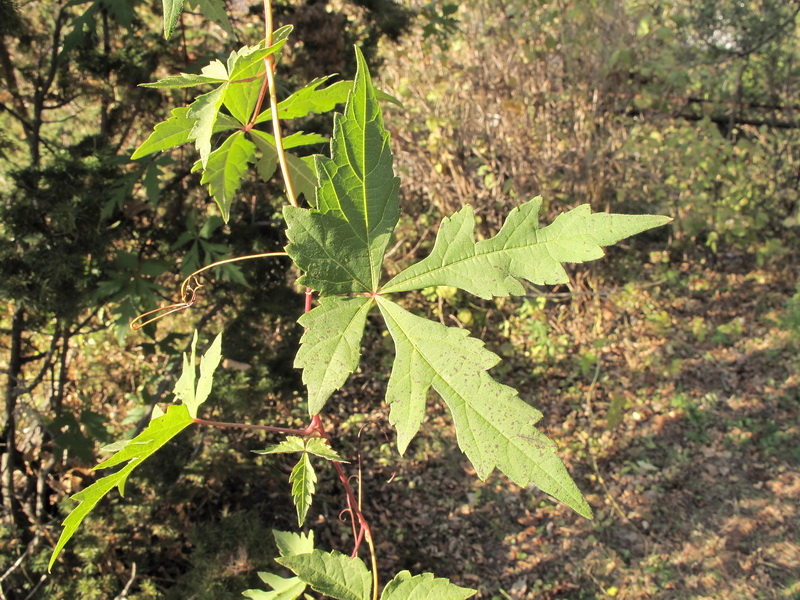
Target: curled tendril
[{"x": 188, "y": 291}]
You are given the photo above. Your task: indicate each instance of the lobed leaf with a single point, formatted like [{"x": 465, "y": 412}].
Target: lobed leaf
[
  {"x": 175, "y": 131},
  {"x": 303, "y": 480},
  {"x": 290, "y": 543},
  {"x": 160, "y": 430},
  {"x": 157, "y": 433},
  {"x": 521, "y": 250},
  {"x": 208, "y": 365},
  {"x": 205, "y": 110},
  {"x": 172, "y": 12},
  {"x": 332, "y": 574},
  {"x": 282, "y": 588},
  {"x": 341, "y": 243},
  {"x": 226, "y": 167},
  {"x": 323, "y": 246},
  {"x": 494, "y": 426},
  {"x": 333, "y": 330},
  {"x": 423, "y": 587}
]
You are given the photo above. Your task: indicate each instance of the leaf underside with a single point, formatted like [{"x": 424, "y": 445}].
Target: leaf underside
[
  {"x": 160, "y": 430},
  {"x": 494, "y": 426},
  {"x": 404, "y": 586},
  {"x": 521, "y": 250},
  {"x": 332, "y": 574},
  {"x": 340, "y": 246}
]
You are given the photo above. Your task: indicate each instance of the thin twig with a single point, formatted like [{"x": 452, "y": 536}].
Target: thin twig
[
  {"x": 124, "y": 593},
  {"x": 189, "y": 292}
]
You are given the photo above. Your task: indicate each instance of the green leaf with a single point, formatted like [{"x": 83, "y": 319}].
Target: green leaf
[
  {"x": 423, "y": 587},
  {"x": 242, "y": 61},
  {"x": 185, "y": 390},
  {"x": 519, "y": 251},
  {"x": 184, "y": 387},
  {"x": 340, "y": 245},
  {"x": 304, "y": 139},
  {"x": 267, "y": 161},
  {"x": 310, "y": 99},
  {"x": 303, "y": 480},
  {"x": 204, "y": 110},
  {"x": 358, "y": 179},
  {"x": 172, "y": 12},
  {"x": 157, "y": 433},
  {"x": 323, "y": 245},
  {"x": 303, "y": 177},
  {"x": 173, "y": 132},
  {"x": 241, "y": 96},
  {"x": 331, "y": 346},
  {"x": 332, "y": 574},
  {"x": 282, "y": 588},
  {"x": 184, "y": 80},
  {"x": 208, "y": 365},
  {"x": 293, "y": 443},
  {"x": 290, "y": 543},
  {"x": 214, "y": 10},
  {"x": 321, "y": 448},
  {"x": 494, "y": 426},
  {"x": 303, "y": 477},
  {"x": 177, "y": 130},
  {"x": 226, "y": 167}
]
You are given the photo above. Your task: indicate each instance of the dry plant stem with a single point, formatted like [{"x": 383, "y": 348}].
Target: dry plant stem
[
  {"x": 287, "y": 430},
  {"x": 225, "y": 262},
  {"x": 189, "y": 294}
]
